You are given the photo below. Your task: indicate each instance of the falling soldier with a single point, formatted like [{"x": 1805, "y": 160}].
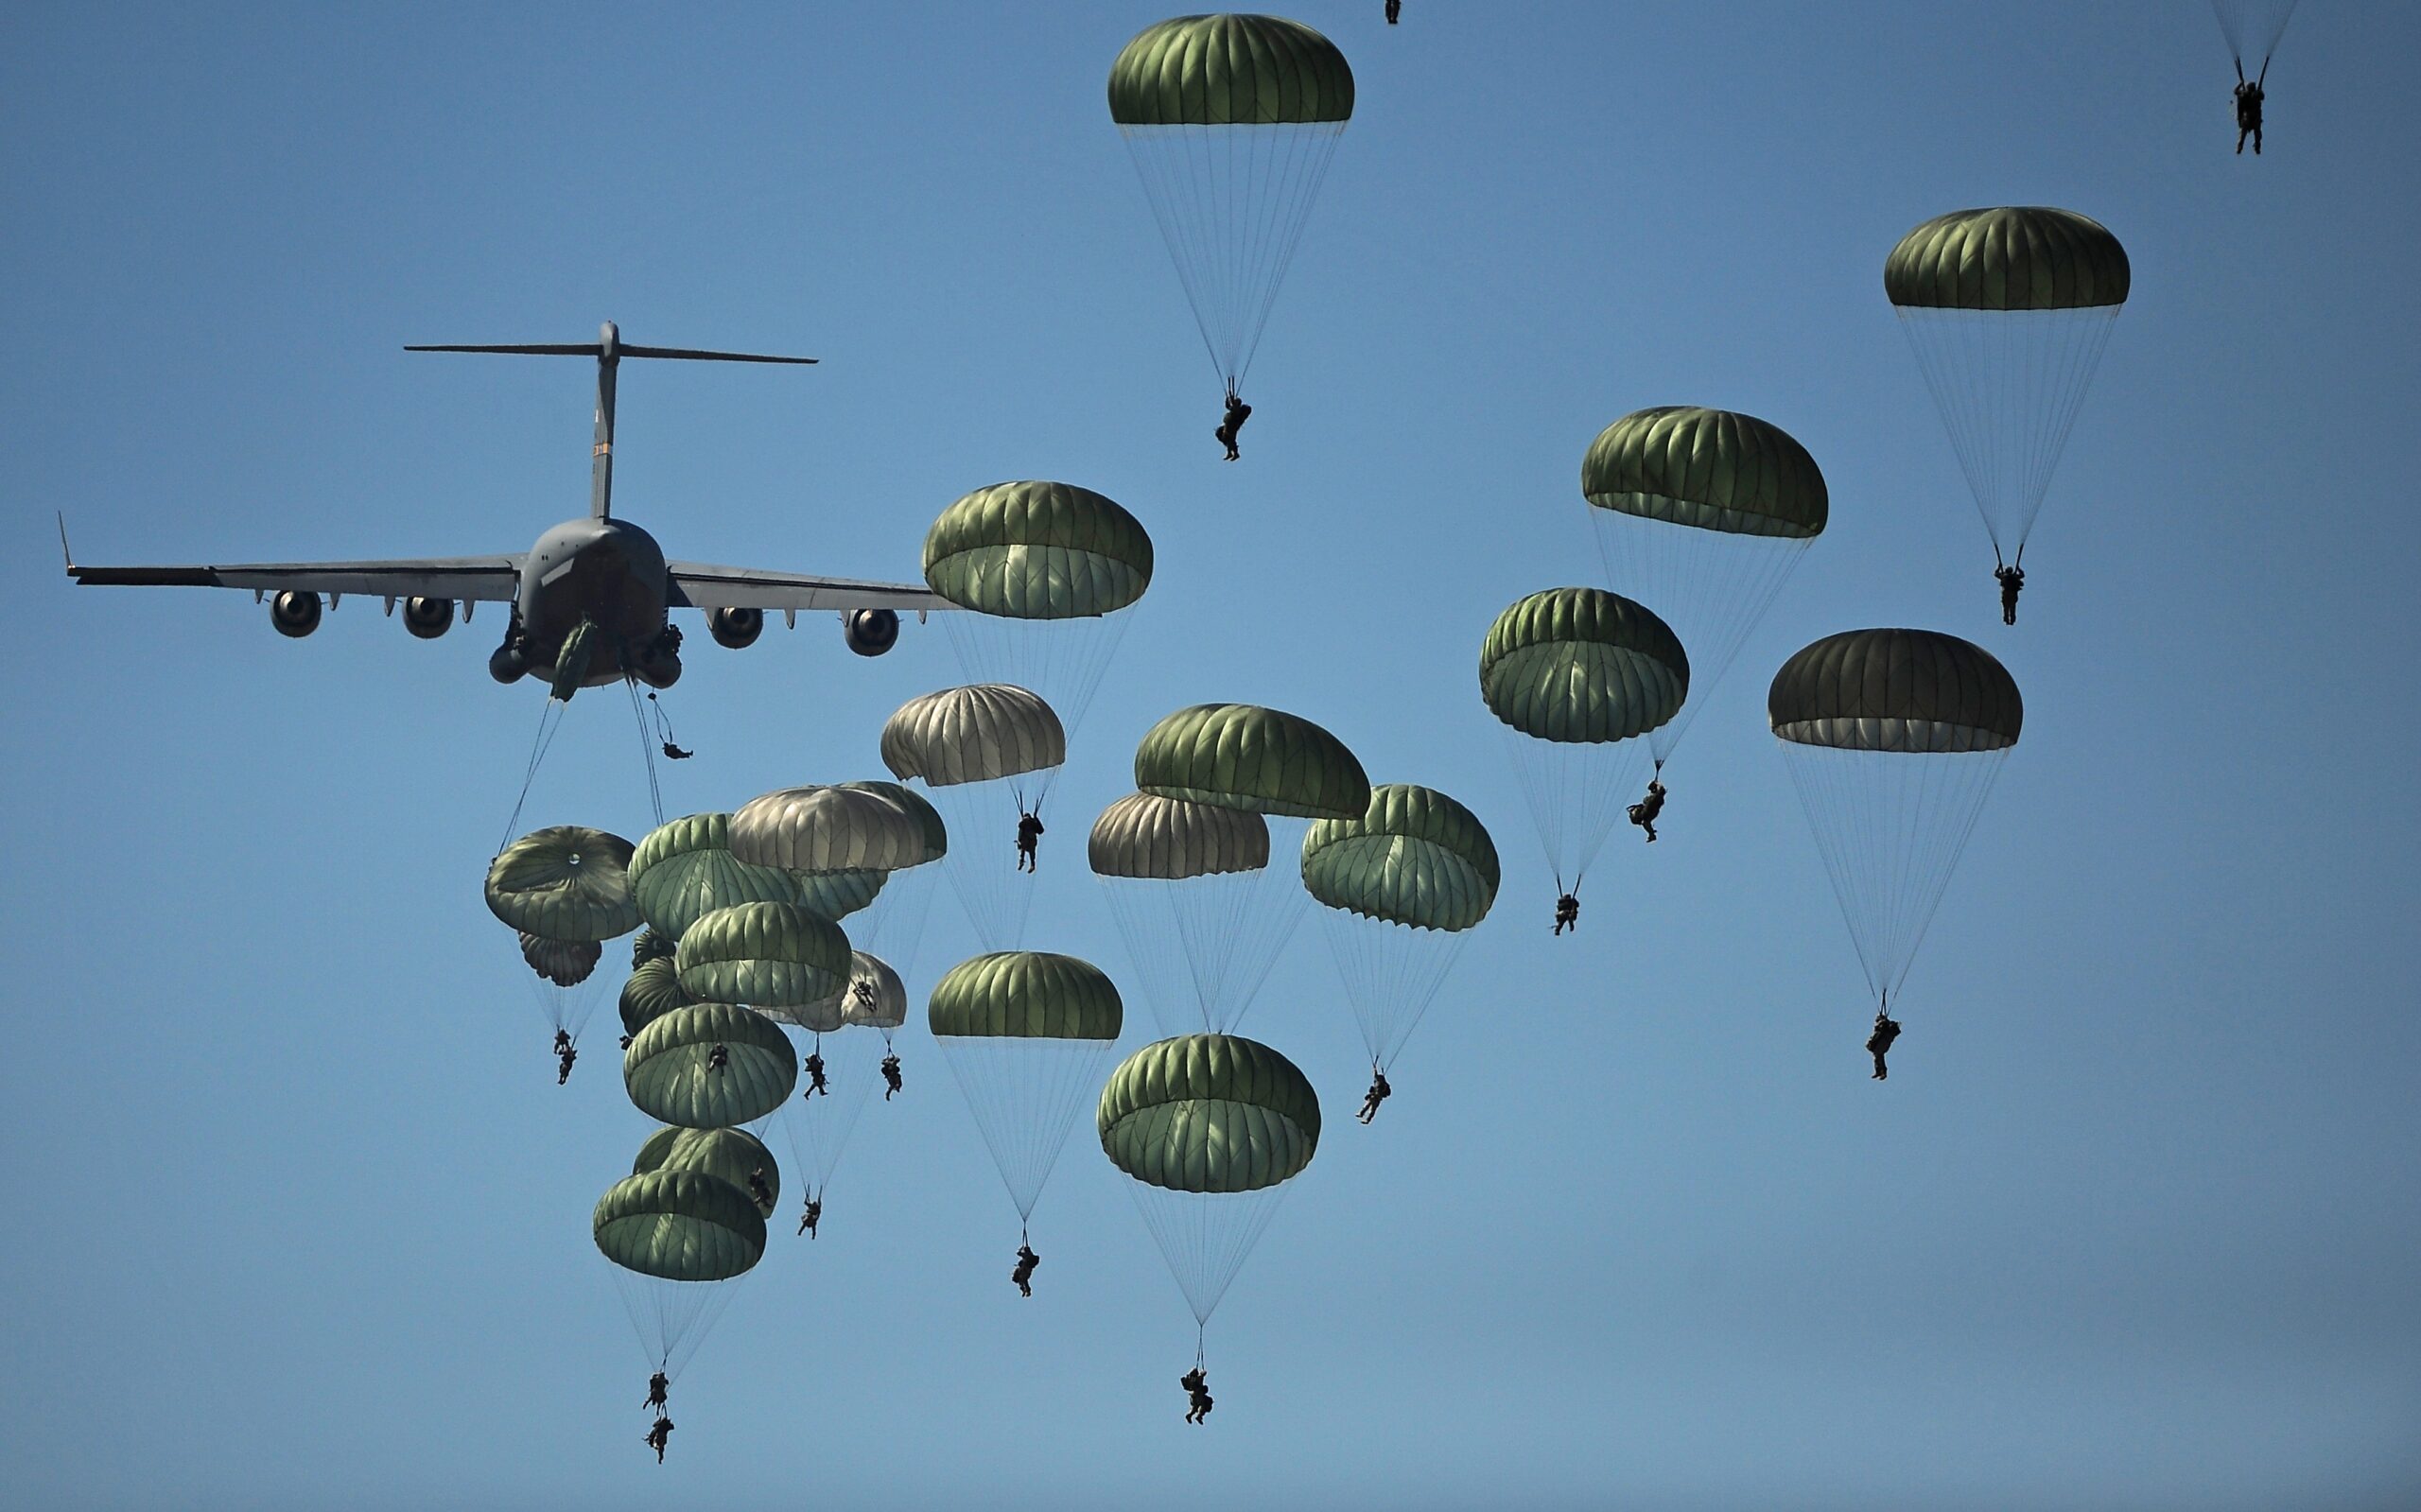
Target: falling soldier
[
  {"x": 2012, "y": 581},
  {"x": 1197, "y": 1394},
  {"x": 1879, "y": 1044},
  {"x": 565, "y": 1054},
  {"x": 2248, "y": 109},
  {"x": 1379, "y": 1092},
  {"x": 813, "y": 1215},
  {"x": 718, "y": 1059},
  {"x": 1024, "y": 1273},
  {"x": 1028, "y": 831},
  {"x": 1232, "y": 424},
  {"x": 1567, "y": 913},
  {"x": 814, "y": 1069},
  {"x": 890, "y": 1076},
  {"x": 657, "y": 1384},
  {"x": 660, "y": 1436},
  {"x": 759, "y": 1189}
]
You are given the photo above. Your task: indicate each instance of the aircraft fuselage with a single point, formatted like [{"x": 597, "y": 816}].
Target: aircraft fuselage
[{"x": 606, "y": 570}]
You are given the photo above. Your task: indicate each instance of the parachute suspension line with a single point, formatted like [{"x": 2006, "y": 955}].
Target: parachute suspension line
[
  {"x": 2252, "y": 27},
  {"x": 1203, "y": 945},
  {"x": 2009, "y": 384},
  {"x": 1575, "y": 791},
  {"x": 1392, "y": 973},
  {"x": 551, "y": 719},
  {"x": 1024, "y": 1094},
  {"x": 1890, "y": 828},
  {"x": 1201, "y": 1344},
  {"x": 1712, "y": 588},
  {"x": 647, "y": 748},
  {"x": 1061, "y": 660},
  {"x": 673, "y": 1318},
  {"x": 1206, "y": 1235}
]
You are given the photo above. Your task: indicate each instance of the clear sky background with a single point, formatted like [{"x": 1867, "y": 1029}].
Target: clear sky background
[{"x": 295, "y": 1214}]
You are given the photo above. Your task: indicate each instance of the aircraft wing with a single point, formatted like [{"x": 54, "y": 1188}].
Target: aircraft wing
[
  {"x": 473, "y": 579},
  {"x": 702, "y": 585}
]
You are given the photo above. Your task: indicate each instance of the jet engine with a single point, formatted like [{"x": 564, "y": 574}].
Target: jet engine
[
  {"x": 295, "y": 615},
  {"x": 870, "y": 632},
  {"x": 736, "y": 628},
  {"x": 429, "y": 618}
]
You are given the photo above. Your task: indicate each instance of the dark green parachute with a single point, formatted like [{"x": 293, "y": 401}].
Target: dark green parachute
[
  {"x": 1208, "y": 1113},
  {"x": 1231, "y": 120},
  {"x": 1707, "y": 470},
  {"x": 1038, "y": 551},
  {"x": 1415, "y": 857},
  {"x": 564, "y": 962},
  {"x": 2017, "y": 257},
  {"x": 567, "y": 882},
  {"x": 668, "y": 1069},
  {"x": 653, "y": 991},
  {"x": 1893, "y": 739},
  {"x": 2008, "y": 311},
  {"x": 679, "y": 1226},
  {"x": 1910, "y": 690},
  {"x": 979, "y": 734},
  {"x": 1240, "y": 756},
  {"x": 928, "y": 819},
  {"x": 766, "y": 955},
  {"x": 732, "y": 1155},
  {"x": 1171, "y": 839},
  {"x": 648, "y": 946},
  {"x": 1581, "y": 665},
  {"x": 1229, "y": 70},
  {"x": 1026, "y": 994},
  {"x": 684, "y": 868},
  {"x": 1201, "y": 910}
]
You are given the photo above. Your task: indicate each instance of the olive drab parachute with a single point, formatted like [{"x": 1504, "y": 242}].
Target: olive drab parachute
[
  {"x": 1576, "y": 675},
  {"x": 648, "y": 946},
  {"x": 653, "y": 990},
  {"x": 764, "y": 955},
  {"x": 849, "y": 1037},
  {"x": 1203, "y": 913},
  {"x": 732, "y": 1155},
  {"x": 1048, "y": 571},
  {"x": 684, "y": 868},
  {"x": 1702, "y": 514},
  {"x": 823, "y": 829},
  {"x": 892, "y": 923},
  {"x": 1240, "y": 756},
  {"x": 562, "y": 890},
  {"x": 1026, "y": 1034},
  {"x": 1209, "y": 1128},
  {"x": 671, "y": 1078},
  {"x": 987, "y": 755},
  {"x": 677, "y": 1236},
  {"x": 1400, "y": 889},
  {"x": 1231, "y": 120},
  {"x": 2007, "y": 311},
  {"x": 1893, "y": 737}
]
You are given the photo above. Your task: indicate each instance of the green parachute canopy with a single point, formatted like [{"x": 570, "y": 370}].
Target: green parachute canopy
[
  {"x": 731, "y": 1155},
  {"x": 1171, "y": 839},
  {"x": 1904, "y": 690},
  {"x": 883, "y": 1003},
  {"x": 2018, "y": 257},
  {"x": 978, "y": 734},
  {"x": 1037, "y": 550},
  {"x": 648, "y": 946},
  {"x": 564, "y": 962},
  {"x": 766, "y": 955},
  {"x": 928, "y": 819},
  {"x": 1229, "y": 70},
  {"x": 1707, "y": 469},
  {"x": 1415, "y": 858},
  {"x": 1026, "y": 994},
  {"x": 684, "y": 868},
  {"x": 567, "y": 882},
  {"x": 1581, "y": 665},
  {"x": 1209, "y": 1113},
  {"x": 668, "y": 1069},
  {"x": 680, "y": 1224},
  {"x": 1240, "y": 756},
  {"x": 818, "y": 829},
  {"x": 653, "y": 991}
]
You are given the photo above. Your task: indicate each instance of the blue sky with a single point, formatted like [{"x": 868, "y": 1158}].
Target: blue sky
[{"x": 297, "y": 1214}]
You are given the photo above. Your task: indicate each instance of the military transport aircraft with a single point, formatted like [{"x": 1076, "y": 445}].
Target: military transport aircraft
[{"x": 599, "y": 569}]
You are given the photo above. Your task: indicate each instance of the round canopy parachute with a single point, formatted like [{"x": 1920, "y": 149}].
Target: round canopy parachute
[
  {"x": 653, "y": 991},
  {"x": 849, "y": 1035},
  {"x": 891, "y": 924},
  {"x": 988, "y": 755},
  {"x": 1210, "y": 1127},
  {"x": 1231, "y": 120},
  {"x": 729, "y": 1154},
  {"x": 1240, "y": 756},
  {"x": 1704, "y": 513},
  {"x": 765, "y": 955},
  {"x": 648, "y": 946},
  {"x": 1576, "y": 675},
  {"x": 1203, "y": 913},
  {"x": 567, "y": 882},
  {"x": 668, "y": 1069},
  {"x": 1026, "y": 1034},
  {"x": 2007, "y": 311},
  {"x": 1893, "y": 738},
  {"x": 1400, "y": 888},
  {"x": 564, "y": 962},
  {"x": 1048, "y": 569},
  {"x": 878, "y": 999},
  {"x": 817, "y": 829},
  {"x": 685, "y": 869},
  {"x": 675, "y": 1237}
]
